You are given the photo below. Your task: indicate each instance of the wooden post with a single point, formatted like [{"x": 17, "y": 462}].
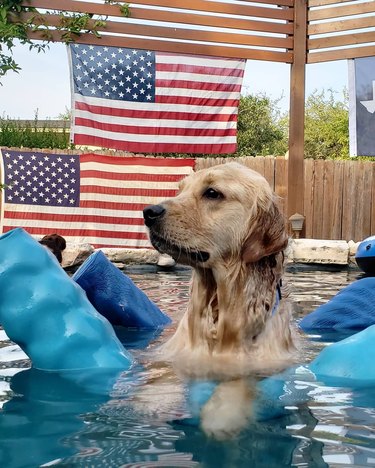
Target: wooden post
[{"x": 297, "y": 112}]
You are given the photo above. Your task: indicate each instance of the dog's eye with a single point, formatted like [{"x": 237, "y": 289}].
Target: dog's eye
[{"x": 213, "y": 194}]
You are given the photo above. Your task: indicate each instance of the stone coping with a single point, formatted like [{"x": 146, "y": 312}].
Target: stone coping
[{"x": 308, "y": 251}]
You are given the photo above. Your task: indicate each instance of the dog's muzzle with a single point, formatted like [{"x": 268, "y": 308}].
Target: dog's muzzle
[
  {"x": 153, "y": 216},
  {"x": 153, "y": 213}
]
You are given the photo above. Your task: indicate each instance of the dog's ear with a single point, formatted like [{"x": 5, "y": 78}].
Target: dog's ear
[
  {"x": 267, "y": 237},
  {"x": 60, "y": 242}
]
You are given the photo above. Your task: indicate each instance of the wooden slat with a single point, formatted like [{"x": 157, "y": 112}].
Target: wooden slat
[
  {"x": 363, "y": 205},
  {"x": 332, "y": 200},
  {"x": 174, "y": 47},
  {"x": 356, "y": 225},
  {"x": 316, "y": 3},
  {"x": 342, "y": 54},
  {"x": 327, "y": 198},
  {"x": 309, "y": 197},
  {"x": 197, "y": 5},
  {"x": 256, "y": 164},
  {"x": 281, "y": 184},
  {"x": 272, "y": 2},
  {"x": 341, "y": 25},
  {"x": 269, "y": 171},
  {"x": 319, "y": 199},
  {"x": 350, "y": 195},
  {"x": 203, "y": 6},
  {"x": 172, "y": 33},
  {"x": 138, "y": 13},
  {"x": 337, "y": 12},
  {"x": 212, "y": 21},
  {"x": 337, "y": 198},
  {"x": 341, "y": 40}
]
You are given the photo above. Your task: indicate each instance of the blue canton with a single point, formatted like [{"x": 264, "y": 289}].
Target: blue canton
[
  {"x": 41, "y": 179},
  {"x": 113, "y": 73}
]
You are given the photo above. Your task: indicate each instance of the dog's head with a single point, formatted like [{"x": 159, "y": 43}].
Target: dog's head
[
  {"x": 224, "y": 213},
  {"x": 55, "y": 243}
]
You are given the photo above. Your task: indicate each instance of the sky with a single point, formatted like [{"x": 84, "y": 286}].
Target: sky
[{"x": 42, "y": 86}]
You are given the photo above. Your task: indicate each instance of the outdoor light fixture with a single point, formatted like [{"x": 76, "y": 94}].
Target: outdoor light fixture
[{"x": 296, "y": 221}]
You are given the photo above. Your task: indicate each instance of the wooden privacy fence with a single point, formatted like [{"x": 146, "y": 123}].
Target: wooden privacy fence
[{"x": 339, "y": 196}]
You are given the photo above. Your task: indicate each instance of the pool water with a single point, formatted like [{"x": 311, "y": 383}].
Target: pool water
[{"x": 47, "y": 420}]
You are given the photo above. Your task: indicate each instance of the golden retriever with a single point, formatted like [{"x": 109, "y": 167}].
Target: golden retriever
[{"x": 225, "y": 223}]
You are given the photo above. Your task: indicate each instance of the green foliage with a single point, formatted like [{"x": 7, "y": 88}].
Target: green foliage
[
  {"x": 14, "y": 27},
  {"x": 261, "y": 129},
  {"x": 31, "y": 134},
  {"x": 326, "y": 126}
]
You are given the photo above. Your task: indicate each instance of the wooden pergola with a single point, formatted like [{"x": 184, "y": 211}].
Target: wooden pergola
[{"x": 297, "y": 32}]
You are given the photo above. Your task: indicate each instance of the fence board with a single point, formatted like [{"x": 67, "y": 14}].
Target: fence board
[
  {"x": 308, "y": 198},
  {"x": 349, "y": 192},
  {"x": 281, "y": 184},
  {"x": 339, "y": 11},
  {"x": 327, "y": 199},
  {"x": 269, "y": 171},
  {"x": 174, "y": 47},
  {"x": 318, "y": 201},
  {"x": 341, "y": 25},
  {"x": 336, "y": 195},
  {"x": 316, "y": 3},
  {"x": 342, "y": 54},
  {"x": 222, "y": 8},
  {"x": 341, "y": 40},
  {"x": 362, "y": 222}
]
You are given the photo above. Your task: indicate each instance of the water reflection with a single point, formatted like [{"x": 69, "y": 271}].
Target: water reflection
[{"x": 48, "y": 419}]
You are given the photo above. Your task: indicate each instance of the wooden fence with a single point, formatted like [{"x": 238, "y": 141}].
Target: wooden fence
[{"x": 339, "y": 196}]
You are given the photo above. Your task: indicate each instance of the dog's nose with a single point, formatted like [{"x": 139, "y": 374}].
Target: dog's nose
[{"x": 152, "y": 213}]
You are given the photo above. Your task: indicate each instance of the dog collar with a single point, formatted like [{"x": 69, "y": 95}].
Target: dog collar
[{"x": 278, "y": 298}]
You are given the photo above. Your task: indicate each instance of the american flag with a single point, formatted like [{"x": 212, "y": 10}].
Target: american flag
[
  {"x": 151, "y": 102},
  {"x": 87, "y": 198}
]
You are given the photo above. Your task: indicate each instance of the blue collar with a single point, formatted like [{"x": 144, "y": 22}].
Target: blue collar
[{"x": 278, "y": 298}]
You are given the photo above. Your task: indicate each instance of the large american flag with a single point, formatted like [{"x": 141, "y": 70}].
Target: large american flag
[
  {"x": 152, "y": 102},
  {"x": 87, "y": 198}
]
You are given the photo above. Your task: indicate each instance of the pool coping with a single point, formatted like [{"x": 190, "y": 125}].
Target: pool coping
[{"x": 315, "y": 253}]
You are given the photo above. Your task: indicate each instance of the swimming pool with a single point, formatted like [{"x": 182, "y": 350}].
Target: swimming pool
[{"x": 49, "y": 421}]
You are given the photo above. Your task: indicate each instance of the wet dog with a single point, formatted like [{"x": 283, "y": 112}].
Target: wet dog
[{"x": 225, "y": 223}]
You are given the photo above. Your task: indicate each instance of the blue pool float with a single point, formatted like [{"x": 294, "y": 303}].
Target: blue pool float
[
  {"x": 48, "y": 315},
  {"x": 349, "y": 363},
  {"x": 351, "y": 309},
  {"x": 115, "y": 296},
  {"x": 365, "y": 255}
]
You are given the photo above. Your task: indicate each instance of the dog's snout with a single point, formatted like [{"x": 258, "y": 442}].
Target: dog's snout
[{"x": 152, "y": 213}]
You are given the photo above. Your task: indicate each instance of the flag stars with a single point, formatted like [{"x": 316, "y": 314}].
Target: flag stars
[
  {"x": 32, "y": 179},
  {"x": 108, "y": 81}
]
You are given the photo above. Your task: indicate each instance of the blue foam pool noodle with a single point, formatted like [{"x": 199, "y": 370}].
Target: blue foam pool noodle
[
  {"x": 48, "y": 315},
  {"x": 352, "y": 308},
  {"x": 115, "y": 296}
]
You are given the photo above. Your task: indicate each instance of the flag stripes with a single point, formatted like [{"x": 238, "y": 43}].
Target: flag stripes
[
  {"x": 113, "y": 191},
  {"x": 143, "y": 101}
]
